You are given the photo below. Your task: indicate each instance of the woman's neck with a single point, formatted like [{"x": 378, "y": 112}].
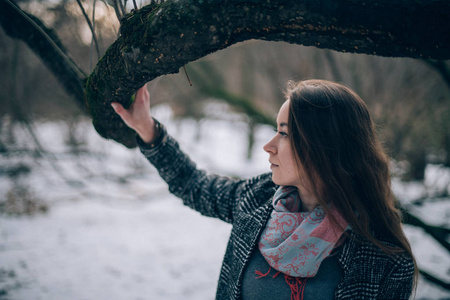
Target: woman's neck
[{"x": 309, "y": 200}]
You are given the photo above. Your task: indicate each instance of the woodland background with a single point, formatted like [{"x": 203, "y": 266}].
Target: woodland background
[{"x": 242, "y": 86}]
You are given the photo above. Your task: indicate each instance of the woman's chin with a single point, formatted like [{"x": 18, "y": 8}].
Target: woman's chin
[{"x": 276, "y": 180}]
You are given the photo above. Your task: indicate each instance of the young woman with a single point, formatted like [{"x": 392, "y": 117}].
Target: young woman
[{"x": 322, "y": 225}]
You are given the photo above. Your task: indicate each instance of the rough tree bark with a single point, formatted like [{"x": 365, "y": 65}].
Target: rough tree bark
[{"x": 160, "y": 39}]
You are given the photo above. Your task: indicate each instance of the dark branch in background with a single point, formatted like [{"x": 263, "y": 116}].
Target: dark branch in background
[
  {"x": 91, "y": 27},
  {"x": 159, "y": 39},
  {"x": 119, "y": 15},
  {"x": 122, "y": 8},
  {"x": 208, "y": 82},
  {"x": 333, "y": 66},
  {"x": 438, "y": 233},
  {"x": 91, "y": 56},
  {"x": 45, "y": 44},
  {"x": 435, "y": 280}
]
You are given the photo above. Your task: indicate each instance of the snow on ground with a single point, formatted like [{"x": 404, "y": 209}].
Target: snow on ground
[
  {"x": 113, "y": 231},
  {"x": 90, "y": 250}
]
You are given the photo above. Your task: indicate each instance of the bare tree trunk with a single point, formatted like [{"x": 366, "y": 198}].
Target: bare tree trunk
[{"x": 337, "y": 76}]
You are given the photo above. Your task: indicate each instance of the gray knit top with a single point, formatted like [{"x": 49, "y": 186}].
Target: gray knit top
[{"x": 273, "y": 284}]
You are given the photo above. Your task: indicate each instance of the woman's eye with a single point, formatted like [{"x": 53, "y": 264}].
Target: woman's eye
[{"x": 282, "y": 133}]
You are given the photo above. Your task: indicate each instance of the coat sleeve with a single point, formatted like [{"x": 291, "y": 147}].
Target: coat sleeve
[{"x": 211, "y": 195}]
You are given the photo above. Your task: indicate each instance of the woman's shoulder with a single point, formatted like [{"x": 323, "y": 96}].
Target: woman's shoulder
[
  {"x": 261, "y": 183},
  {"x": 256, "y": 191},
  {"x": 260, "y": 187},
  {"x": 372, "y": 273},
  {"x": 359, "y": 252}
]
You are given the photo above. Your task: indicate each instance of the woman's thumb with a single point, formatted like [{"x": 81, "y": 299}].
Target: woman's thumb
[
  {"x": 122, "y": 112},
  {"x": 118, "y": 108}
]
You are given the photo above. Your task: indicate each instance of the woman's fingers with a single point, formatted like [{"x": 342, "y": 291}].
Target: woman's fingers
[
  {"x": 118, "y": 108},
  {"x": 137, "y": 116},
  {"x": 142, "y": 96}
]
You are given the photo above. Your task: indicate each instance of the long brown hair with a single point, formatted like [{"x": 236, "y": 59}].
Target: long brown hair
[{"x": 335, "y": 143}]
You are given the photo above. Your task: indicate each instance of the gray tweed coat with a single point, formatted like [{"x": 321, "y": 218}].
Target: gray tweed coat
[{"x": 368, "y": 272}]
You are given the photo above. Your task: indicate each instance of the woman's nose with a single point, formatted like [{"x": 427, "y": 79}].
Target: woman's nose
[{"x": 270, "y": 147}]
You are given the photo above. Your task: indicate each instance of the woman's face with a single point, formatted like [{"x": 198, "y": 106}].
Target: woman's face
[{"x": 283, "y": 164}]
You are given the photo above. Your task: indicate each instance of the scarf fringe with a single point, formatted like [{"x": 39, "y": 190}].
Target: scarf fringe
[
  {"x": 261, "y": 275},
  {"x": 296, "y": 284}
]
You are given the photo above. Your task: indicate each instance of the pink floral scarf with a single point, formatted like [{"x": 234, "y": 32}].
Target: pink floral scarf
[{"x": 295, "y": 243}]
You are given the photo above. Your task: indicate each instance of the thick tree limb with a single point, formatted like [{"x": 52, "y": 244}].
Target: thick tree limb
[
  {"x": 45, "y": 44},
  {"x": 159, "y": 39}
]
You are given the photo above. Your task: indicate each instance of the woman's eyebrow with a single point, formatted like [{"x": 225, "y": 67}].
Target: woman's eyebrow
[{"x": 283, "y": 124}]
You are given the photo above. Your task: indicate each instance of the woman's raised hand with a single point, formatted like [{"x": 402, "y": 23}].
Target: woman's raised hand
[{"x": 138, "y": 116}]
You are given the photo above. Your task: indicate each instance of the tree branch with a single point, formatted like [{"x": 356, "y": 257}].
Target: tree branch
[{"x": 159, "y": 39}]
